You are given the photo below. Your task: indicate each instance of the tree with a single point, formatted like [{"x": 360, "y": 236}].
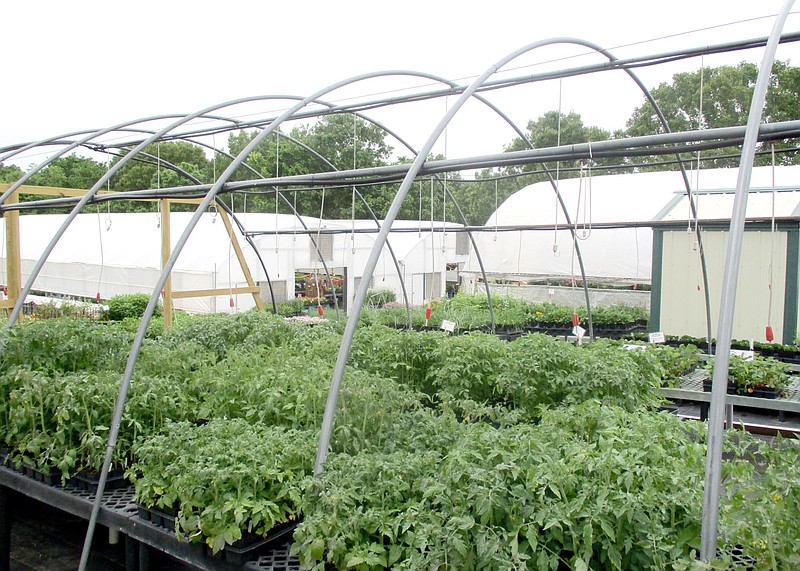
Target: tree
[
  {"x": 553, "y": 129},
  {"x": 726, "y": 93},
  {"x": 10, "y": 173},
  {"x": 549, "y": 130},
  {"x": 71, "y": 171},
  {"x": 145, "y": 172},
  {"x": 335, "y": 142}
]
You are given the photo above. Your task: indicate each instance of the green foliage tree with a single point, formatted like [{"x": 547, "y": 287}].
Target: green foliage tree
[
  {"x": 10, "y": 173},
  {"x": 71, "y": 171},
  {"x": 549, "y": 130},
  {"x": 144, "y": 172},
  {"x": 335, "y": 142},
  {"x": 726, "y": 92}
]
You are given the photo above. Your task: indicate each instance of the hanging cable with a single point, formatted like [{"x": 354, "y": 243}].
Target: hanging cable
[
  {"x": 230, "y": 246},
  {"x": 319, "y": 251},
  {"x": 700, "y": 127},
  {"x": 419, "y": 233},
  {"x": 496, "y": 213},
  {"x": 294, "y": 218},
  {"x": 353, "y": 197},
  {"x": 429, "y": 297},
  {"x": 214, "y": 158},
  {"x": 558, "y": 165},
  {"x": 444, "y": 186},
  {"x": 158, "y": 183},
  {"x": 585, "y": 197},
  {"x": 769, "y": 333},
  {"x": 277, "y": 174},
  {"x": 102, "y": 254},
  {"x": 230, "y": 279},
  {"x": 3, "y": 266}
]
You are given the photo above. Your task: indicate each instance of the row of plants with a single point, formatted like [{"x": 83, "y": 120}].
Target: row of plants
[
  {"x": 787, "y": 353},
  {"x": 448, "y": 452},
  {"x": 471, "y": 312}
]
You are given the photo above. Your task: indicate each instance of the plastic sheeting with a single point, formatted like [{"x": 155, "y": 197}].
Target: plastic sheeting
[{"x": 623, "y": 254}]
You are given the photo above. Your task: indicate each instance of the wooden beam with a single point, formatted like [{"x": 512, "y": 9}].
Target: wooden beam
[
  {"x": 214, "y": 292},
  {"x": 62, "y": 192},
  {"x": 242, "y": 262},
  {"x": 13, "y": 272},
  {"x": 166, "y": 248}
]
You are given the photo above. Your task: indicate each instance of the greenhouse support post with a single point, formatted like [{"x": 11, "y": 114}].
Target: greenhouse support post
[{"x": 713, "y": 476}]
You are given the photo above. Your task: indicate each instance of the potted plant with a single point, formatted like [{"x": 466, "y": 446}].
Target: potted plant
[{"x": 762, "y": 377}]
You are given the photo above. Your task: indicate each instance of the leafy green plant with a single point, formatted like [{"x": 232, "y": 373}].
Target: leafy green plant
[
  {"x": 760, "y": 372},
  {"x": 589, "y": 486},
  {"x": 225, "y": 477},
  {"x": 66, "y": 345},
  {"x": 379, "y": 297},
  {"x": 290, "y": 307},
  {"x": 128, "y": 305}
]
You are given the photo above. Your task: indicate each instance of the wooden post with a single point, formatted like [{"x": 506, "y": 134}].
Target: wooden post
[
  {"x": 240, "y": 256},
  {"x": 166, "y": 249},
  {"x": 13, "y": 271}
]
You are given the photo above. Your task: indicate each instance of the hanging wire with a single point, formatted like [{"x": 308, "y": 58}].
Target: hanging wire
[
  {"x": 585, "y": 176},
  {"x": 558, "y": 165},
  {"x": 214, "y": 158},
  {"x": 496, "y": 214},
  {"x": 433, "y": 251},
  {"x": 419, "y": 232},
  {"x": 5, "y": 261},
  {"x": 158, "y": 183},
  {"x": 316, "y": 258},
  {"x": 277, "y": 174},
  {"x": 294, "y": 218},
  {"x": 700, "y": 126},
  {"x": 230, "y": 279},
  {"x": 102, "y": 253},
  {"x": 353, "y": 197},
  {"x": 771, "y": 244},
  {"x": 444, "y": 186}
]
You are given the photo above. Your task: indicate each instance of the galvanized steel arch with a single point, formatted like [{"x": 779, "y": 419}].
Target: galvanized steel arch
[
  {"x": 148, "y": 313},
  {"x": 338, "y": 374}
]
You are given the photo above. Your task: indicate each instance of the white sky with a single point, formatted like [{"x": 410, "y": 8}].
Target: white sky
[{"x": 87, "y": 64}]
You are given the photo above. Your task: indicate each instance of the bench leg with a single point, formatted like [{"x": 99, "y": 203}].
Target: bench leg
[{"x": 5, "y": 529}]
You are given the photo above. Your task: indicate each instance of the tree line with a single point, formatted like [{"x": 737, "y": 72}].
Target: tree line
[{"x": 341, "y": 141}]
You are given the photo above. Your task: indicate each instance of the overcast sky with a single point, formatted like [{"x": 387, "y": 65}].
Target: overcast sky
[{"x": 89, "y": 63}]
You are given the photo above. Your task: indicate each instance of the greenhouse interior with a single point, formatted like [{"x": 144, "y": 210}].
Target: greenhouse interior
[{"x": 279, "y": 353}]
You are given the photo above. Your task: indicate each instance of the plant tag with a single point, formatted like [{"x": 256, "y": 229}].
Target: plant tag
[
  {"x": 656, "y": 337},
  {"x": 630, "y": 347},
  {"x": 745, "y": 355},
  {"x": 448, "y": 325},
  {"x": 578, "y": 332}
]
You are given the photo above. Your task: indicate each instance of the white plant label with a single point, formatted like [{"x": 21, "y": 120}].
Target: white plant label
[
  {"x": 657, "y": 337},
  {"x": 448, "y": 325}
]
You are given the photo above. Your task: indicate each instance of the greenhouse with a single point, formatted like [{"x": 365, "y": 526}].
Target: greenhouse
[
  {"x": 303, "y": 352},
  {"x": 95, "y": 257}
]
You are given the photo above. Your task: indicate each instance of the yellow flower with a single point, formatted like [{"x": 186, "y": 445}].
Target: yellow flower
[{"x": 776, "y": 497}]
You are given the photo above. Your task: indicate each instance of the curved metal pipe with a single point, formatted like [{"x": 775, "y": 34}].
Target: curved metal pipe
[
  {"x": 344, "y": 348},
  {"x": 148, "y": 313},
  {"x": 372, "y": 215},
  {"x": 229, "y": 211},
  {"x": 713, "y": 472}
]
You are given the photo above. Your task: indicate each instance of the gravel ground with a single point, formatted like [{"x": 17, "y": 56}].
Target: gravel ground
[{"x": 44, "y": 538}]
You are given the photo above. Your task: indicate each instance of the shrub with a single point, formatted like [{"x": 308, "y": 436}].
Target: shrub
[{"x": 128, "y": 305}]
